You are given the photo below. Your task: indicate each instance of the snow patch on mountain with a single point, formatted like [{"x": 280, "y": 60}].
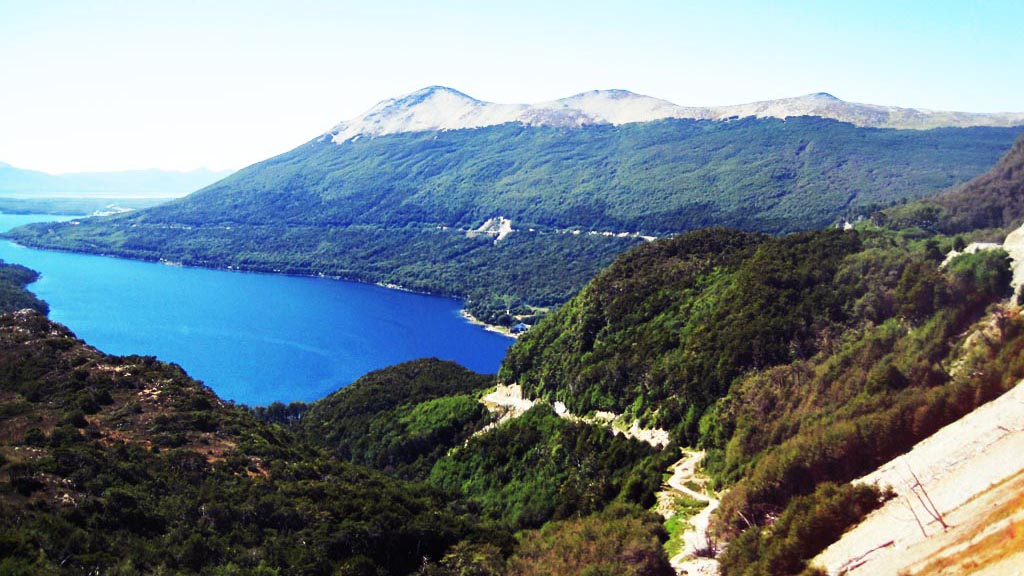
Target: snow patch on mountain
[
  {"x": 439, "y": 108},
  {"x": 430, "y": 109},
  {"x": 614, "y": 107}
]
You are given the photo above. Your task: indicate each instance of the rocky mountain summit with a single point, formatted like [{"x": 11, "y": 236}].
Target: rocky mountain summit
[{"x": 438, "y": 108}]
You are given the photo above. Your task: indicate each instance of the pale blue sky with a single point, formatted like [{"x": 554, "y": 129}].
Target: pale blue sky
[{"x": 108, "y": 85}]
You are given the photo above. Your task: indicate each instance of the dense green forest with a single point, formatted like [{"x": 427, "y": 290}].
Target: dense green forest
[
  {"x": 13, "y": 295},
  {"x": 124, "y": 465},
  {"x": 396, "y": 209},
  {"x": 418, "y": 420},
  {"x": 127, "y": 466},
  {"x": 993, "y": 200},
  {"x": 492, "y": 277},
  {"x": 73, "y": 206},
  {"x": 401, "y": 419},
  {"x": 540, "y": 467},
  {"x": 795, "y": 361}
]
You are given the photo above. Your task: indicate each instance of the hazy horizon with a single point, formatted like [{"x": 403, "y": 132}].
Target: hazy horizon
[{"x": 113, "y": 86}]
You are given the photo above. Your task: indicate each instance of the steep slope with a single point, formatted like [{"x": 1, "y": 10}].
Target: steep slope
[
  {"x": 967, "y": 475},
  {"x": 126, "y": 465},
  {"x": 541, "y": 467},
  {"x": 424, "y": 420},
  {"x": 664, "y": 331},
  {"x": 993, "y": 200},
  {"x": 796, "y": 362}
]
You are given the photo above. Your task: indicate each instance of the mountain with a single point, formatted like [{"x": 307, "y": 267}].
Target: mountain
[
  {"x": 20, "y": 183},
  {"x": 402, "y": 194},
  {"x": 441, "y": 108},
  {"x": 799, "y": 363}
]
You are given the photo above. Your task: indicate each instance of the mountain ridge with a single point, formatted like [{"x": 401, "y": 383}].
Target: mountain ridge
[
  {"x": 21, "y": 182},
  {"x": 397, "y": 209},
  {"x": 436, "y": 108}
]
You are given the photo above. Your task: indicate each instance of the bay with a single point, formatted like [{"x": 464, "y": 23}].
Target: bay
[{"x": 253, "y": 338}]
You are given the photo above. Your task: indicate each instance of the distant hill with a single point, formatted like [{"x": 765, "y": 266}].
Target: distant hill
[
  {"x": 21, "y": 183},
  {"x": 994, "y": 199},
  {"x": 13, "y": 295},
  {"x": 395, "y": 195}
]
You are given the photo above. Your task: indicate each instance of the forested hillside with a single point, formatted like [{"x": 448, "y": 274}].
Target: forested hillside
[
  {"x": 993, "y": 200},
  {"x": 397, "y": 208},
  {"x": 125, "y": 465},
  {"x": 401, "y": 419},
  {"x": 13, "y": 295},
  {"x": 654, "y": 177},
  {"x": 422, "y": 420},
  {"x": 796, "y": 362}
]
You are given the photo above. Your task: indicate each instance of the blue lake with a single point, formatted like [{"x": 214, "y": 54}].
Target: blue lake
[{"x": 253, "y": 338}]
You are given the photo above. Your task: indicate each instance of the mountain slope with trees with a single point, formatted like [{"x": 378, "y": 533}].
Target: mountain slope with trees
[
  {"x": 798, "y": 363},
  {"x": 401, "y": 419},
  {"x": 423, "y": 420},
  {"x": 398, "y": 209},
  {"x": 994, "y": 199},
  {"x": 126, "y": 465},
  {"x": 13, "y": 295}
]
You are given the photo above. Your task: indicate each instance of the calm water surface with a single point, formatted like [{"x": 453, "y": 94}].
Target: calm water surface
[{"x": 253, "y": 338}]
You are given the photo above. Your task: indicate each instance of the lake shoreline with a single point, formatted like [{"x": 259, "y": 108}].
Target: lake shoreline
[
  {"x": 386, "y": 285},
  {"x": 489, "y": 327},
  {"x": 253, "y": 338}
]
